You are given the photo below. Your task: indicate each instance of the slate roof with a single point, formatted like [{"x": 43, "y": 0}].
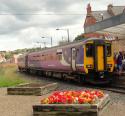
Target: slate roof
[
  {"x": 101, "y": 15},
  {"x": 98, "y": 15}
]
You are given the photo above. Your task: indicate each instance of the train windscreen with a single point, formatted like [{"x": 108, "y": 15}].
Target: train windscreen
[
  {"x": 89, "y": 50},
  {"x": 108, "y": 49}
]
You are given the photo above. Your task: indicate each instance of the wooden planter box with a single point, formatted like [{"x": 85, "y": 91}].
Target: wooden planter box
[
  {"x": 71, "y": 109},
  {"x": 32, "y": 89}
]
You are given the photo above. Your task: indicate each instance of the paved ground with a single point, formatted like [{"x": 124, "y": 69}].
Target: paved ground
[
  {"x": 16, "y": 105},
  {"x": 22, "y": 105},
  {"x": 116, "y": 106}
]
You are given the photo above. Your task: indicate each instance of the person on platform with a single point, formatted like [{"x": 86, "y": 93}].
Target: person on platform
[
  {"x": 115, "y": 61},
  {"x": 119, "y": 63},
  {"x": 123, "y": 62}
]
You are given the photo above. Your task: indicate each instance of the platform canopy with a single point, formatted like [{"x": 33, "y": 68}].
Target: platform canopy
[{"x": 114, "y": 25}]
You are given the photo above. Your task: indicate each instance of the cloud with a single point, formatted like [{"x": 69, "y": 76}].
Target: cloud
[
  {"x": 23, "y": 21},
  {"x": 16, "y": 20}
]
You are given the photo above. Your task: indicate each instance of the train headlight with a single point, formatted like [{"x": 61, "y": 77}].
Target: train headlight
[
  {"x": 89, "y": 66},
  {"x": 109, "y": 65}
]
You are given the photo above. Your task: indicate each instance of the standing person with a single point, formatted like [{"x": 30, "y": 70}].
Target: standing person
[
  {"x": 115, "y": 61},
  {"x": 119, "y": 63},
  {"x": 123, "y": 62}
]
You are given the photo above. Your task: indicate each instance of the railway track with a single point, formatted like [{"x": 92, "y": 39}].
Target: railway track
[
  {"x": 112, "y": 88},
  {"x": 117, "y": 88}
]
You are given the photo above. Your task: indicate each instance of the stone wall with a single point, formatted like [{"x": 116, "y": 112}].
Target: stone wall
[{"x": 118, "y": 45}]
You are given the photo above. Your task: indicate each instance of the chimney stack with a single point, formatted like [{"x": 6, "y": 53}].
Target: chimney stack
[{"x": 89, "y": 9}]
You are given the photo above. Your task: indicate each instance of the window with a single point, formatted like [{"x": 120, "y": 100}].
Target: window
[
  {"x": 73, "y": 53},
  {"x": 59, "y": 54},
  {"x": 89, "y": 50},
  {"x": 108, "y": 50}
]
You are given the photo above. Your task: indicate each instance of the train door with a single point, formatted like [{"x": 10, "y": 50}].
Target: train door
[
  {"x": 95, "y": 57},
  {"x": 73, "y": 61},
  {"x": 26, "y": 61},
  {"x": 100, "y": 57}
]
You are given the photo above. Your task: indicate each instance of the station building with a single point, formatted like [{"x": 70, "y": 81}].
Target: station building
[{"x": 109, "y": 23}]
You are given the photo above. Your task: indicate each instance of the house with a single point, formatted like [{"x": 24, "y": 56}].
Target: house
[
  {"x": 2, "y": 58},
  {"x": 94, "y": 17},
  {"x": 15, "y": 58}
]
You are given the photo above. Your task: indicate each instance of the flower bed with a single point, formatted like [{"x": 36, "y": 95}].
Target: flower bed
[
  {"x": 36, "y": 89},
  {"x": 74, "y": 97},
  {"x": 72, "y": 103}
]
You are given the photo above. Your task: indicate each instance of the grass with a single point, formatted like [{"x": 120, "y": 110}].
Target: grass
[{"x": 9, "y": 76}]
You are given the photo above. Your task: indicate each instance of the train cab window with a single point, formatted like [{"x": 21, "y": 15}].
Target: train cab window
[
  {"x": 108, "y": 50},
  {"x": 89, "y": 50}
]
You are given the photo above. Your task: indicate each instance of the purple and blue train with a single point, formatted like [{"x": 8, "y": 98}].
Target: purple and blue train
[{"x": 88, "y": 60}]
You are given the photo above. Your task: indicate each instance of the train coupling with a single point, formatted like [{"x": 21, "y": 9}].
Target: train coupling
[{"x": 101, "y": 75}]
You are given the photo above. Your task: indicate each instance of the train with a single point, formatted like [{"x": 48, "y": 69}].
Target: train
[{"x": 89, "y": 60}]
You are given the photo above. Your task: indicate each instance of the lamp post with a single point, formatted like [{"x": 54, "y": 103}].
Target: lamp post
[
  {"x": 39, "y": 43},
  {"x": 67, "y": 32},
  {"x": 101, "y": 15},
  {"x": 50, "y": 38}
]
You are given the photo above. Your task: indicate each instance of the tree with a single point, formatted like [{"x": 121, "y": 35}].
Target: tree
[
  {"x": 79, "y": 37},
  {"x": 8, "y": 55},
  {"x": 63, "y": 42}
]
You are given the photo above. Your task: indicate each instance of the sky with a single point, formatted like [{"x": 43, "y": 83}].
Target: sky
[{"x": 23, "y": 23}]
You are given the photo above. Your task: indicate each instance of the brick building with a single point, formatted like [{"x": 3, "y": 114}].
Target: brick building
[{"x": 94, "y": 17}]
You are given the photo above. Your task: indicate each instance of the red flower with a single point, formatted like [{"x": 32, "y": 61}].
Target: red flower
[
  {"x": 70, "y": 97},
  {"x": 81, "y": 100}
]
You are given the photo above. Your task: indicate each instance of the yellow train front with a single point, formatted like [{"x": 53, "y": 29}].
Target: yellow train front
[{"x": 98, "y": 61}]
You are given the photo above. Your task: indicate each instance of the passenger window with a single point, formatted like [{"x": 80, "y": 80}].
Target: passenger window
[
  {"x": 89, "y": 50},
  {"x": 59, "y": 54},
  {"x": 109, "y": 50}
]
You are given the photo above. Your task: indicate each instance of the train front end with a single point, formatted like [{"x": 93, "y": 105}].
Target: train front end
[{"x": 98, "y": 61}]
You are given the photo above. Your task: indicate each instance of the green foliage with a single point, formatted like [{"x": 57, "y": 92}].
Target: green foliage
[
  {"x": 9, "y": 77},
  {"x": 25, "y": 50},
  {"x": 79, "y": 37},
  {"x": 63, "y": 42},
  {"x": 9, "y": 54}
]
